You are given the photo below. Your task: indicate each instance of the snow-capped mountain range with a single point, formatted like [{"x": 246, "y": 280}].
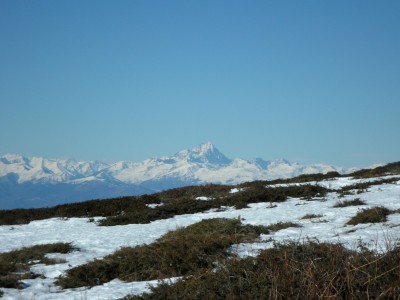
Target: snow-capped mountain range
[{"x": 37, "y": 182}]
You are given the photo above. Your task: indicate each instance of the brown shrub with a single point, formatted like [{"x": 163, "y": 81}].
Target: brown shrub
[
  {"x": 293, "y": 271},
  {"x": 14, "y": 265},
  {"x": 178, "y": 253},
  {"x": 311, "y": 216},
  {"x": 347, "y": 203},
  {"x": 281, "y": 226},
  {"x": 370, "y": 215}
]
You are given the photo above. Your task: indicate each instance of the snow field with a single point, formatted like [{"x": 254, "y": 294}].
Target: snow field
[{"x": 95, "y": 242}]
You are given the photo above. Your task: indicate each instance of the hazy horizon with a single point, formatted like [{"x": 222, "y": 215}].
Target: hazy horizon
[{"x": 311, "y": 82}]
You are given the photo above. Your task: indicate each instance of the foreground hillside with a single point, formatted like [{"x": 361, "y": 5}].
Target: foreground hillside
[{"x": 314, "y": 236}]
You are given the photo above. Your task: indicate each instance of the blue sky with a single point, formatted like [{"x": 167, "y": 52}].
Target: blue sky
[{"x": 309, "y": 81}]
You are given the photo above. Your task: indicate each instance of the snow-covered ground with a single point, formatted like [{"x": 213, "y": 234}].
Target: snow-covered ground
[{"x": 95, "y": 241}]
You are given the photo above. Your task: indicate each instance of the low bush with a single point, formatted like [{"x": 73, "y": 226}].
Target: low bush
[
  {"x": 392, "y": 168},
  {"x": 129, "y": 210},
  {"x": 186, "y": 203},
  {"x": 370, "y": 215},
  {"x": 308, "y": 178},
  {"x": 363, "y": 186},
  {"x": 88, "y": 209},
  {"x": 14, "y": 265},
  {"x": 281, "y": 226},
  {"x": 354, "y": 202},
  {"x": 293, "y": 271},
  {"x": 178, "y": 253},
  {"x": 311, "y": 216}
]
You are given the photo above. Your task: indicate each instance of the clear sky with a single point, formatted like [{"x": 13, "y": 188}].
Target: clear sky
[{"x": 309, "y": 81}]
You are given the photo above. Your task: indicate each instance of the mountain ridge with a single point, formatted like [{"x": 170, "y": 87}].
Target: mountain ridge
[{"x": 24, "y": 180}]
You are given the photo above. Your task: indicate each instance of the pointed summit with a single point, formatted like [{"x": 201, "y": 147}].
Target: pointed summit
[
  {"x": 205, "y": 148},
  {"x": 205, "y": 153}
]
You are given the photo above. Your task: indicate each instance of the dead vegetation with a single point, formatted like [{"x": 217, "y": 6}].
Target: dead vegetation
[
  {"x": 14, "y": 265},
  {"x": 198, "y": 247},
  {"x": 346, "y": 203},
  {"x": 293, "y": 271},
  {"x": 370, "y": 215}
]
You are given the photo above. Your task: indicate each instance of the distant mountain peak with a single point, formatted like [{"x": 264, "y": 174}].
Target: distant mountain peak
[
  {"x": 205, "y": 147},
  {"x": 205, "y": 153}
]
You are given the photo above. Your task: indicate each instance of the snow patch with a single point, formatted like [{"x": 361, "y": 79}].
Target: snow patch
[
  {"x": 236, "y": 190},
  {"x": 204, "y": 198},
  {"x": 154, "y": 205}
]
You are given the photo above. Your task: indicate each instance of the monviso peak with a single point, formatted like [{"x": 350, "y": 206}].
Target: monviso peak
[{"x": 205, "y": 153}]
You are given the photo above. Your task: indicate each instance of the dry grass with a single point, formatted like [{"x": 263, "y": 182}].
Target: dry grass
[
  {"x": 389, "y": 169},
  {"x": 178, "y": 253},
  {"x": 282, "y": 225},
  {"x": 311, "y": 216},
  {"x": 135, "y": 210},
  {"x": 354, "y": 202},
  {"x": 14, "y": 265},
  {"x": 293, "y": 271},
  {"x": 363, "y": 187},
  {"x": 370, "y": 215}
]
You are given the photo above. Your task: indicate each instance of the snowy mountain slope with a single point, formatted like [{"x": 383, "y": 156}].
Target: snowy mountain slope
[
  {"x": 25, "y": 182},
  {"x": 330, "y": 227},
  {"x": 47, "y": 170}
]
